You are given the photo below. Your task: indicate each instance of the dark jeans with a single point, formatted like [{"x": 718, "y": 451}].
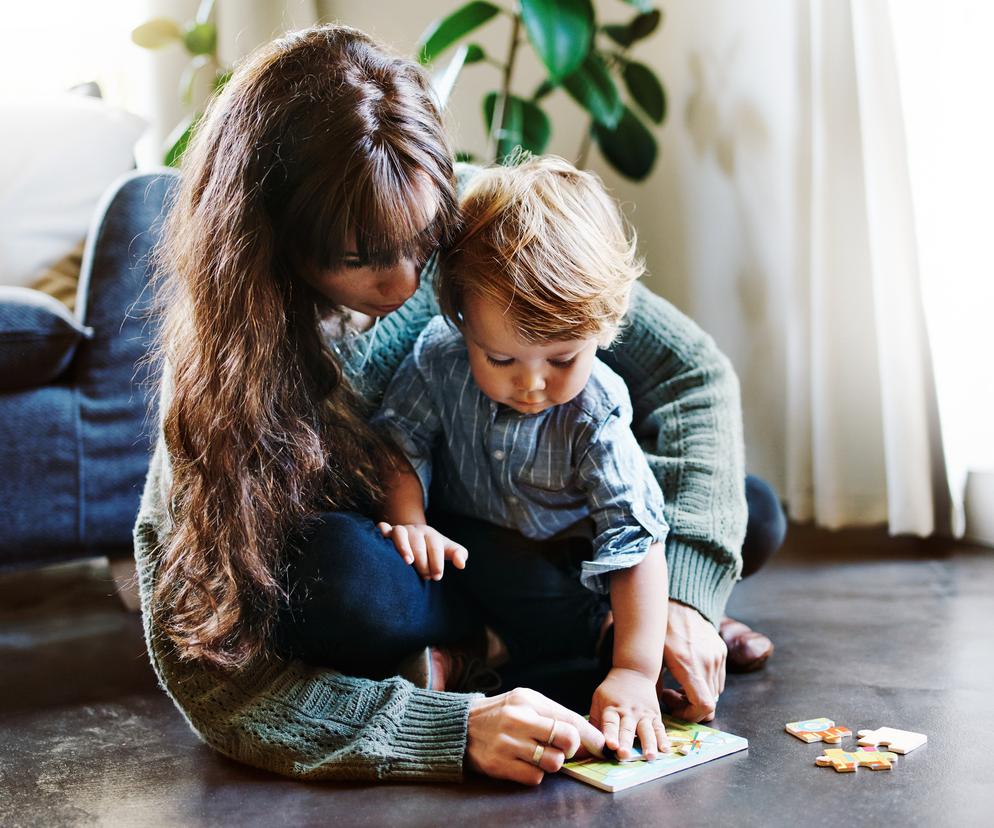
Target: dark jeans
[{"x": 356, "y": 606}]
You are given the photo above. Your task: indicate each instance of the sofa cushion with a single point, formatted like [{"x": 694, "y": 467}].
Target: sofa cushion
[
  {"x": 38, "y": 337},
  {"x": 58, "y": 154}
]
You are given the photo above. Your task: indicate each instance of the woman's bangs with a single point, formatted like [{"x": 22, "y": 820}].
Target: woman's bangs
[{"x": 397, "y": 216}]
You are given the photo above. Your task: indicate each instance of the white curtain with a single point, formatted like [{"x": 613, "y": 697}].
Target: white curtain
[
  {"x": 863, "y": 440},
  {"x": 946, "y": 66}
]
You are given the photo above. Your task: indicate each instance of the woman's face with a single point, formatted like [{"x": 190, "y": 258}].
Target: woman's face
[{"x": 372, "y": 291}]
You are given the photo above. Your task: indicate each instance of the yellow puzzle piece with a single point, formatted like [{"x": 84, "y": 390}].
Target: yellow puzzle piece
[{"x": 846, "y": 761}]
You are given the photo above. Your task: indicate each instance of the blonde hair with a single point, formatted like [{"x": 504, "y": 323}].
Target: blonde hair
[{"x": 546, "y": 242}]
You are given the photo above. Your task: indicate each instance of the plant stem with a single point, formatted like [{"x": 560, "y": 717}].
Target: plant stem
[
  {"x": 497, "y": 123},
  {"x": 581, "y": 160}
]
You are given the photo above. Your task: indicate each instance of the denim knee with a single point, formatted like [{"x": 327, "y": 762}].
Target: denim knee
[
  {"x": 767, "y": 526},
  {"x": 338, "y": 577}
]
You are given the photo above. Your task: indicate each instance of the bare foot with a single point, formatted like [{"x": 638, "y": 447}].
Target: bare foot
[
  {"x": 440, "y": 665},
  {"x": 748, "y": 650}
]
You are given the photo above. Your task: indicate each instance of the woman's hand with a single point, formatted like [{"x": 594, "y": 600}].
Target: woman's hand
[
  {"x": 695, "y": 655},
  {"x": 425, "y": 548},
  {"x": 505, "y": 732},
  {"x": 625, "y": 706}
]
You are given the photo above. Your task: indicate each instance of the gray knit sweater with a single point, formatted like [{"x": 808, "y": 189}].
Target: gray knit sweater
[{"x": 314, "y": 723}]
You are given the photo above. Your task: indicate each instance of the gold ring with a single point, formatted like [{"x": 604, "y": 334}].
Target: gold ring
[
  {"x": 537, "y": 755},
  {"x": 552, "y": 732}
]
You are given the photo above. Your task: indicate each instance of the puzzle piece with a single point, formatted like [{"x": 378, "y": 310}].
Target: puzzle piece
[
  {"x": 898, "y": 741},
  {"x": 845, "y": 761},
  {"x": 818, "y": 730}
]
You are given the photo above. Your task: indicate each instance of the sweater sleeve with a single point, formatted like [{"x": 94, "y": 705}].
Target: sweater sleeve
[
  {"x": 688, "y": 420},
  {"x": 292, "y": 718}
]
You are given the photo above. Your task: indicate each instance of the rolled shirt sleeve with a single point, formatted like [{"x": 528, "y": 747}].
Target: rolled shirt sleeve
[{"x": 626, "y": 502}]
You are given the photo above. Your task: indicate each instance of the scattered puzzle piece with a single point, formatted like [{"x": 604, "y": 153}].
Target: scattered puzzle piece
[
  {"x": 818, "y": 730},
  {"x": 898, "y": 741},
  {"x": 845, "y": 761}
]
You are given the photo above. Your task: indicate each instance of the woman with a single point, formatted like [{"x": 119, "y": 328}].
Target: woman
[{"x": 299, "y": 258}]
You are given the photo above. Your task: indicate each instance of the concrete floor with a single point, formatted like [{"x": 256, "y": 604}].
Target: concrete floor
[{"x": 869, "y": 631}]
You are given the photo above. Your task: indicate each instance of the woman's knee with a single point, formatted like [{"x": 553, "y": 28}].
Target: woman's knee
[
  {"x": 767, "y": 526},
  {"x": 336, "y": 568}
]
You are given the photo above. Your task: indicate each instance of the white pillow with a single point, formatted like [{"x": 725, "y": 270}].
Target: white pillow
[{"x": 57, "y": 156}]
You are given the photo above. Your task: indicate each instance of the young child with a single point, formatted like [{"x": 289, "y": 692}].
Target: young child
[{"x": 506, "y": 405}]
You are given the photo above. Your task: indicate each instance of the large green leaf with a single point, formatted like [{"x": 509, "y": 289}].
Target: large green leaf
[
  {"x": 561, "y": 32},
  {"x": 592, "y": 87},
  {"x": 544, "y": 88},
  {"x": 645, "y": 89},
  {"x": 629, "y": 147},
  {"x": 646, "y": 23},
  {"x": 620, "y": 33},
  {"x": 639, "y": 27},
  {"x": 444, "y": 32},
  {"x": 525, "y": 124},
  {"x": 475, "y": 53}
]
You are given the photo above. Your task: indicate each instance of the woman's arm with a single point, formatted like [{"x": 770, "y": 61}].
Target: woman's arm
[
  {"x": 294, "y": 719},
  {"x": 688, "y": 420}
]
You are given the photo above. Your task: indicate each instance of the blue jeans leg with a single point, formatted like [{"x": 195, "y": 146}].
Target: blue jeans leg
[
  {"x": 354, "y": 604},
  {"x": 527, "y": 591},
  {"x": 767, "y": 526}
]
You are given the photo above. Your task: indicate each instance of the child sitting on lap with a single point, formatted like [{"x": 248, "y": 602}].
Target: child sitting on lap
[{"x": 526, "y": 427}]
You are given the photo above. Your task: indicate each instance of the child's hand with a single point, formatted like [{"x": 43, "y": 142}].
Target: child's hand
[
  {"x": 425, "y": 548},
  {"x": 625, "y": 706}
]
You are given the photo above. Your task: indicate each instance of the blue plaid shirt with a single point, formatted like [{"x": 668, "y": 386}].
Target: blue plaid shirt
[{"x": 536, "y": 473}]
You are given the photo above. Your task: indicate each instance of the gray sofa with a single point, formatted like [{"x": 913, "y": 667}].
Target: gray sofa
[{"x": 74, "y": 448}]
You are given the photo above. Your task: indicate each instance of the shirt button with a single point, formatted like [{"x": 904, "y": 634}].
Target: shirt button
[
  {"x": 512, "y": 500},
  {"x": 498, "y": 455},
  {"x": 388, "y": 412}
]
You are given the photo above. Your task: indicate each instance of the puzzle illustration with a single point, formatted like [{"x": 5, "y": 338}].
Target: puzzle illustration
[
  {"x": 690, "y": 744},
  {"x": 818, "y": 730},
  {"x": 897, "y": 741},
  {"x": 845, "y": 761}
]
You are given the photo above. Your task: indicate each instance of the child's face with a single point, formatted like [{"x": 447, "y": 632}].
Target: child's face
[{"x": 528, "y": 377}]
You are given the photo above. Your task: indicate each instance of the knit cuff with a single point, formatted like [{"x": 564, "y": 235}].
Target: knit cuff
[
  {"x": 697, "y": 580},
  {"x": 430, "y": 741}
]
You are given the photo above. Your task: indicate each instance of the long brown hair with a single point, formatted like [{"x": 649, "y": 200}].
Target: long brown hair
[{"x": 317, "y": 134}]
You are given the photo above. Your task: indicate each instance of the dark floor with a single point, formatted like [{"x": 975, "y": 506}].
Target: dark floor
[{"x": 869, "y": 631}]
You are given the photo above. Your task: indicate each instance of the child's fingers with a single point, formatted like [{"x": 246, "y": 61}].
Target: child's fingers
[
  {"x": 384, "y": 527},
  {"x": 626, "y": 735},
  {"x": 420, "y": 553},
  {"x": 436, "y": 555},
  {"x": 402, "y": 543},
  {"x": 457, "y": 554},
  {"x": 647, "y": 738},
  {"x": 662, "y": 740},
  {"x": 610, "y": 721}
]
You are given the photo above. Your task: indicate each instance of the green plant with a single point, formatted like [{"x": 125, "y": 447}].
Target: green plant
[
  {"x": 582, "y": 57},
  {"x": 199, "y": 38}
]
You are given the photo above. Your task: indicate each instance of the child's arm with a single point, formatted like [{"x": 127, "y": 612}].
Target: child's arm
[
  {"x": 625, "y": 704},
  {"x": 405, "y": 523},
  {"x": 410, "y": 418},
  {"x": 628, "y": 561}
]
